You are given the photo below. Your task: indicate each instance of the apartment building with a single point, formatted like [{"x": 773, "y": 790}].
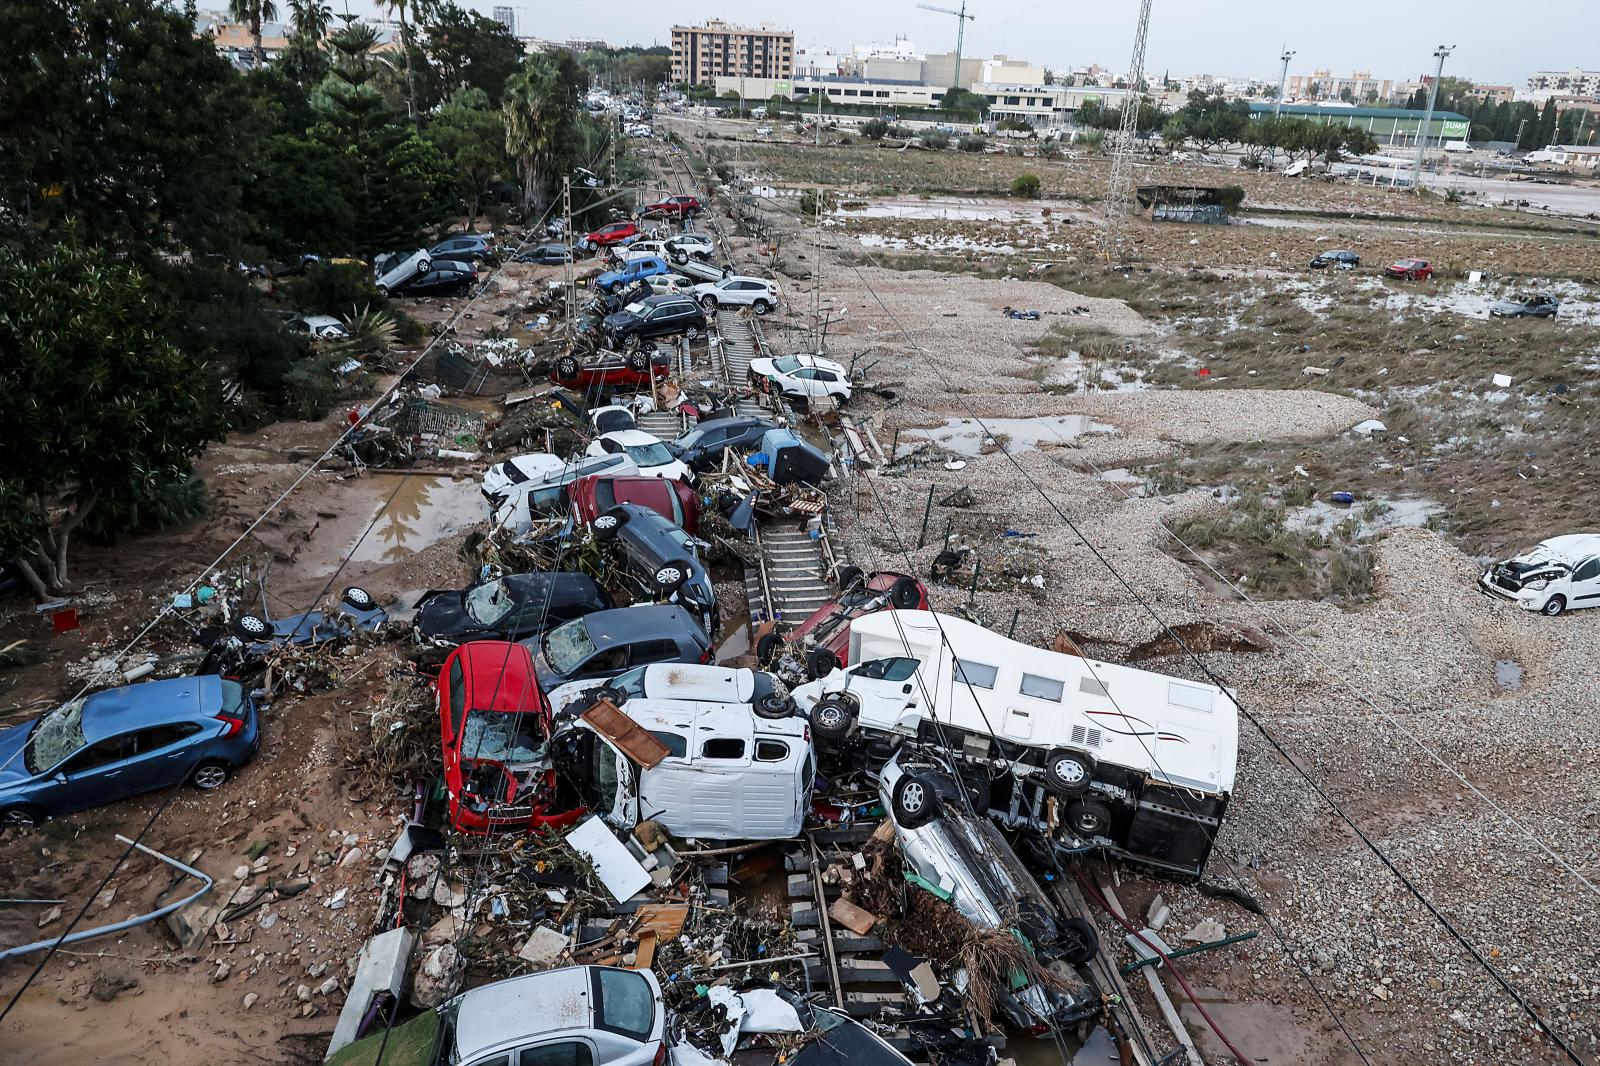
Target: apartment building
[
  {"x": 1565, "y": 82},
  {"x": 1359, "y": 87},
  {"x": 700, "y": 54}
]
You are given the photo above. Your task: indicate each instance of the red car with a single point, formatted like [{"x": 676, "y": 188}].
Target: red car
[
  {"x": 1410, "y": 269},
  {"x": 592, "y": 496},
  {"x": 606, "y": 236},
  {"x": 632, "y": 370},
  {"x": 824, "y": 638},
  {"x": 673, "y": 205},
  {"x": 495, "y": 724}
]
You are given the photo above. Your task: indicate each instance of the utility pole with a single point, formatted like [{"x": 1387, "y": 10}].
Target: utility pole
[
  {"x": 572, "y": 292},
  {"x": 1119, "y": 194},
  {"x": 818, "y": 129},
  {"x": 1277, "y": 105},
  {"x": 1520, "y": 126},
  {"x": 1433, "y": 96}
]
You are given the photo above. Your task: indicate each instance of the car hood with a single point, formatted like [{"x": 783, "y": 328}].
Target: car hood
[
  {"x": 11, "y": 744},
  {"x": 763, "y": 367}
]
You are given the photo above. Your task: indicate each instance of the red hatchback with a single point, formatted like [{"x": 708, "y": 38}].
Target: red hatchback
[
  {"x": 824, "y": 638},
  {"x": 670, "y": 498},
  {"x": 1410, "y": 269},
  {"x": 673, "y": 205},
  {"x": 606, "y": 236},
  {"x": 495, "y": 724},
  {"x": 633, "y": 370}
]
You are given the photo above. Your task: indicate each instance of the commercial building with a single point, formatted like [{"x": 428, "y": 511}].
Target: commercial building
[
  {"x": 840, "y": 89},
  {"x": 507, "y": 17},
  {"x": 1044, "y": 106},
  {"x": 1493, "y": 94},
  {"x": 700, "y": 54},
  {"x": 1565, "y": 82},
  {"x": 1388, "y": 125}
]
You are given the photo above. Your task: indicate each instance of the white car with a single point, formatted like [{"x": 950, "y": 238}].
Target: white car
[
  {"x": 611, "y": 418},
  {"x": 1559, "y": 574},
  {"x": 679, "y": 681},
  {"x": 764, "y": 131},
  {"x": 807, "y": 376},
  {"x": 393, "y": 270},
  {"x": 317, "y": 327},
  {"x": 645, "y": 451},
  {"x": 684, "y": 246},
  {"x": 737, "y": 290},
  {"x": 533, "y": 488},
  {"x": 670, "y": 285}
]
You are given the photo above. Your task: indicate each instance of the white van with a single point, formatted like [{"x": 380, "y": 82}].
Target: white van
[
  {"x": 1559, "y": 574},
  {"x": 1135, "y": 762},
  {"x": 678, "y": 681},
  {"x": 709, "y": 771}
]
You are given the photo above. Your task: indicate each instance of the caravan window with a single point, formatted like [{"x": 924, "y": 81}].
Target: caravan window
[
  {"x": 978, "y": 675},
  {"x": 676, "y": 746},
  {"x": 1042, "y": 688}
]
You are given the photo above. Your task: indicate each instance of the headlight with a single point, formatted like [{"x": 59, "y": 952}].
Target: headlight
[{"x": 1537, "y": 586}]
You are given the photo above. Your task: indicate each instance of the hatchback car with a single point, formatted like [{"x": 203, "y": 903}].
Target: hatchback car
[
  {"x": 1526, "y": 305},
  {"x": 659, "y": 560},
  {"x": 508, "y": 608},
  {"x": 466, "y": 248},
  {"x": 1337, "y": 258},
  {"x": 592, "y": 496},
  {"x": 702, "y": 447},
  {"x": 652, "y": 317},
  {"x": 514, "y": 505},
  {"x": 495, "y": 730},
  {"x": 648, "y": 453},
  {"x": 670, "y": 285},
  {"x": 685, "y": 246},
  {"x": 824, "y": 637},
  {"x": 606, "y": 236},
  {"x": 391, "y": 271},
  {"x": 121, "y": 742},
  {"x": 801, "y": 377},
  {"x": 548, "y": 254},
  {"x": 673, "y": 206},
  {"x": 631, "y": 272},
  {"x": 610, "y": 369},
  {"x": 605, "y": 643},
  {"x": 1556, "y": 575},
  {"x": 317, "y": 327},
  {"x": 736, "y": 290},
  {"x": 1410, "y": 269}
]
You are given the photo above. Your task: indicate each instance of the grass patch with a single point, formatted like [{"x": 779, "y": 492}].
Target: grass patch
[{"x": 1252, "y": 543}]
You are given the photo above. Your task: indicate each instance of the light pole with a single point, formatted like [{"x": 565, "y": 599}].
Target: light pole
[
  {"x": 1520, "y": 127},
  {"x": 1427, "y": 119},
  {"x": 1277, "y": 105}
]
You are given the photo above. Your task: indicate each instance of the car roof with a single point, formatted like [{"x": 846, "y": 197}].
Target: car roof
[
  {"x": 689, "y": 718},
  {"x": 693, "y": 681},
  {"x": 1572, "y": 546},
  {"x": 812, "y": 361},
  {"x": 748, "y": 277},
  {"x": 624, "y": 625},
  {"x": 522, "y": 1007},
  {"x": 499, "y": 676},
  {"x": 663, "y": 299},
  {"x": 119, "y": 710}
]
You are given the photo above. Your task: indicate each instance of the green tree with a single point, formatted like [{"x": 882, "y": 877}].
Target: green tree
[
  {"x": 1547, "y": 125},
  {"x": 541, "y": 111},
  {"x": 1025, "y": 186},
  {"x": 253, "y": 13},
  {"x": 874, "y": 129},
  {"x": 646, "y": 68},
  {"x": 465, "y": 50},
  {"x": 96, "y": 402},
  {"x": 470, "y": 131},
  {"x": 1176, "y": 132},
  {"x": 963, "y": 103},
  {"x": 399, "y": 9},
  {"x": 310, "y": 18}
]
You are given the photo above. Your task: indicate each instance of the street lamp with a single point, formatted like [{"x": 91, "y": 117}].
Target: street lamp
[
  {"x": 1277, "y": 107},
  {"x": 1427, "y": 119}
]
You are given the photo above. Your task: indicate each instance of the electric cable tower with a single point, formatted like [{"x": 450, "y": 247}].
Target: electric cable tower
[{"x": 1119, "y": 189}]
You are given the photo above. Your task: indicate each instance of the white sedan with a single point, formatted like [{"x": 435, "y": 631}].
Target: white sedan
[
  {"x": 736, "y": 290},
  {"x": 646, "y": 451},
  {"x": 807, "y": 376}
]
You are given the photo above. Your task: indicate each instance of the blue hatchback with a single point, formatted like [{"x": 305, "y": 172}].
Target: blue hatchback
[{"x": 124, "y": 741}]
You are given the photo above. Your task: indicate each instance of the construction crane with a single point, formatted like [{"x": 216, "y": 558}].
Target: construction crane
[
  {"x": 962, "y": 18},
  {"x": 1119, "y": 189}
]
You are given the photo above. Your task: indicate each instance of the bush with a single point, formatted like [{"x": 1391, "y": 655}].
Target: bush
[
  {"x": 846, "y": 139},
  {"x": 936, "y": 139},
  {"x": 1026, "y": 186},
  {"x": 874, "y": 129},
  {"x": 899, "y": 131},
  {"x": 1013, "y": 124},
  {"x": 1049, "y": 149},
  {"x": 334, "y": 289},
  {"x": 1232, "y": 196},
  {"x": 813, "y": 201},
  {"x": 972, "y": 143},
  {"x": 170, "y": 498}
]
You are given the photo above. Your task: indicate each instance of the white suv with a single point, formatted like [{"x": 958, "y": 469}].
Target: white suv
[
  {"x": 736, "y": 290},
  {"x": 806, "y": 376},
  {"x": 1559, "y": 574}
]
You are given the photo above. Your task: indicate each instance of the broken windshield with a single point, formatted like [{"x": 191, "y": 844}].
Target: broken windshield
[
  {"x": 514, "y": 738},
  {"x": 490, "y": 602},
  {"x": 653, "y": 454},
  {"x": 58, "y": 734},
  {"x": 568, "y": 646}
]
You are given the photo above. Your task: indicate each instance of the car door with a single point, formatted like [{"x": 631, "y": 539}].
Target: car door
[
  {"x": 1585, "y": 584},
  {"x": 886, "y": 690},
  {"x": 160, "y": 757},
  {"x": 91, "y": 776},
  {"x": 827, "y": 383},
  {"x": 557, "y": 1053}
]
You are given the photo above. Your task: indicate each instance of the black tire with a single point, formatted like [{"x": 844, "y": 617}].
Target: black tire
[
  {"x": 692, "y": 333},
  {"x": 358, "y": 597},
  {"x": 210, "y": 775},
  {"x": 848, "y": 576},
  {"x": 567, "y": 367},
  {"x": 669, "y": 577},
  {"x": 976, "y": 785},
  {"x": 679, "y": 256},
  {"x": 760, "y": 307},
  {"x": 252, "y": 627},
  {"x": 1080, "y": 942},
  {"x": 820, "y": 663},
  {"x": 611, "y": 695},
  {"x": 606, "y": 525},
  {"x": 1068, "y": 772},
  {"x": 768, "y": 647},
  {"x": 914, "y": 800},
  {"x": 832, "y": 718},
  {"x": 1553, "y": 606},
  {"x": 1089, "y": 818},
  {"x": 905, "y": 594},
  {"x": 20, "y": 817},
  {"x": 775, "y": 705},
  {"x": 709, "y": 303},
  {"x": 638, "y": 360}
]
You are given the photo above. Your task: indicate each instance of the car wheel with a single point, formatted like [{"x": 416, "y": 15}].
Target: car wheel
[
  {"x": 252, "y": 627},
  {"x": 638, "y": 360},
  {"x": 1080, "y": 942},
  {"x": 567, "y": 368},
  {"x": 680, "y": 258},
  {"x": 820, "y": 663},
  {"x": 670, "y": 576},
  {"x": 692, "y": 333},
  {"x": 760, "y": 307},
  {"x": 905, "y": 594},
  {"x": 848, "y": 576},
  {"x": 914, "y": 801},
  {"x": 614, "y": 696},
  {"x": 358, "y": 597},
  {"x": 832, "y": 718},
  {"x": 605, "y": 526},
  {"x": 709, "y": 303},
  {"x": 775, "y": 705},
  {"x": 1089, "y": 818},
  {"x": 20, "y": 817},
  {"x": 631, "y": 343},
  {"x": 768, "y": 648},
  {"x": 1068, "y": 772},
  {"x": 209, "y": 776},
  {"x": 1553, "y": 606}
]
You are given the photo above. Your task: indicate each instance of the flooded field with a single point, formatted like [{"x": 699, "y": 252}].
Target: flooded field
[{"x": 967, "y": 436}]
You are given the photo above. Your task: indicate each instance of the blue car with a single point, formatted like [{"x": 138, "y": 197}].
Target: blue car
[
  {"x": 124, "y": 741},
  {"x": 634, "y": 270}
]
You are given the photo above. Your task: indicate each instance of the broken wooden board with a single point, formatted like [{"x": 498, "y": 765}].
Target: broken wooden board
[
  {"x": 853, "y": 918},
  {"x": 628, "y": 736}
]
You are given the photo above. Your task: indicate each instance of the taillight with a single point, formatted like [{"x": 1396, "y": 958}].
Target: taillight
[
  {"x": 661, "y": 1055},
  {"x": 235, "y": 726}
]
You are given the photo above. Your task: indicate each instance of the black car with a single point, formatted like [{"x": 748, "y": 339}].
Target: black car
[
  {"x": 466, "y": 248},
  {"x": 702, "y": 446},
  {"x": 659, "y": 559},
  {"x": 654, "y": 316},
  {"x": 605, "y": 643},
  {"x": 1338, "y": 258},
  {"x": 508, "y": 608},
  {"x": 444, "y": 277},
  {"x": 546, "y": 253}
]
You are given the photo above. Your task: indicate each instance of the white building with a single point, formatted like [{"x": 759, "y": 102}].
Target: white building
[
  {"x": 1566, "y": 82},
  {"x": 841, "y": 90},
  {"x": 1044, "y": 106}
]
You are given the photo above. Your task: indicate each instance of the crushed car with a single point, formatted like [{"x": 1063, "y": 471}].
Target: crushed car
[
  {"x": 1526, "y": 305},
  {"x": 680, "y": 681},
  {"x": 512, "y": 607},
  {"x": 822, "y": 641},
  {"x": 657, "y": 559},
  {"x": 592, "y": 496},
  {"x": 605, "y": 643},
  {"x": 1556, "y": 575}
]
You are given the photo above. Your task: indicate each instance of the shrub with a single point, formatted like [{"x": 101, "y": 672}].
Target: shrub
[
  {"x": 972, "y": 143},
  {"x": 1232, "y": 196},
  {"x": 814, "y": 201},
  {"x": 1049, "y": 149},
  {"x": 936, "y": 139},
  {"x": 874, "y": 129},
  {"x": 846, "y": 139},
  {"x": 334, "y": 289},
  {"x": 1026, "y": 186},
  {"x": 899, "y": 131}
]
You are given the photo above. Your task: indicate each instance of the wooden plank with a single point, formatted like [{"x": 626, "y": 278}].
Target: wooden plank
[
  {"x": 853, "y": 918},
  {"x": 630, "y": 738}
]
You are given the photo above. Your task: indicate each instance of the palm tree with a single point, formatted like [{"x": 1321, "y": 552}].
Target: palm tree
[
  {"x": 538, "y": 114},
  {"x": 310, "y": 18},
  {"x": 253, "y": 13},
  {"x": 398, "y": 7}
]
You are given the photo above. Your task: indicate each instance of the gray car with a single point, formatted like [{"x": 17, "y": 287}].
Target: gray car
[
  {"x": 605, "y": 643},
  {"x": 1526, "y": 305}
]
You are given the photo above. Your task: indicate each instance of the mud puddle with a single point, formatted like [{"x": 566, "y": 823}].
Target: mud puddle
[
  {"x": 966, "y": 436},
  {"x": 424, "y": 510}
]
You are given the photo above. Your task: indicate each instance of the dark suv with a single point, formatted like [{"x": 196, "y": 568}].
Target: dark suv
[
  {"x": 466, "y": 248},
  {"x": 702, "y": 446},
  {"x": 659, "y": 560},
  {"x": 652, "y": 317},
  {"x": 605, "y": 643}
]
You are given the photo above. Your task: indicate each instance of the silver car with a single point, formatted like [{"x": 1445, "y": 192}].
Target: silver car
[{"x": 574, "y": 1016}]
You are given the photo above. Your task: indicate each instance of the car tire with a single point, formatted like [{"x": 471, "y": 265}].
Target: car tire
[
  {"x": 914, "y": 801},
  {"x": 638, "y": 360},
  {"x": 680, "y": 257},
  {"x": 20, "y": 817},
  {"x": 614, "y": 696},
  {"x": 1089, "y": 818},
  {"x": 566, "y": 367},
  {"x": 1553, "y": 606},
  {"x": 692, "y": 334},
  {"x": 768, "y": 647},
  {"x": 669, "y": 577},
  {"x": 848, "y": 576},
  {"x": 709, "y": 303},
  {"x": 358, "y": 597},
  {"x": 607, "y": 525},
  {"x": 976, "y": 786},
  {"x": 760, "y": 307},
  {"x": 1068, "y": 772},
  {"x": 905, "y": 594},
  {"x": 210, "y": 775},
  {"x": 1080, "y": 942},
  {"x": 832, "y": 718},
  {"x": 631, "y": 343},
  {"x": 252, "y": 627},
  {"x": 820, "y": 663},
  {"x": 775, "y": 705}
]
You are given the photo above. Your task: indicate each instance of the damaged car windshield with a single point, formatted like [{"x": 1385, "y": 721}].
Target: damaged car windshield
[
  {"x": 603, "y": 775},
  {"x": 568, "y": 647},
  {"x": 653, "y": 454},
  {"x": 490, "y": 602},
  {"x": 58, "y": 734},
  {"x": 501, "y": 737},
  {"x": 787, "y": 365}
]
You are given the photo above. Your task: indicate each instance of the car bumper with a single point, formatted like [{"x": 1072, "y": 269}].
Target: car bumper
[{"x": 1527, "y": 600}]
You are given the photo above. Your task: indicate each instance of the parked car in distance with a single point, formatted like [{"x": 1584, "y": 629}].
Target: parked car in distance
[
  {"x": 317, "y": 327},
  {"x": 495, "y": 729},
  {"x": 546, "y": 253},
  {"x": 801, "y": 376},
  {"x": 631, "y": 271},
  {"x": 683, "y": 247},
  {"x": 701, "y": 448},
  {"x": 1337, "y": 258},
  {"x": 444, "y": 277},
  {"x": 512, "y": 607},
  {"x": 466, "y": 248},
  {"x": 1556, "y": 575},
  {"x": 648, "y": 453},
  {"x": 824, "y": 637},
  {"x": 607, "y": 369},
  {"x": 671, "y": 498},
  {"x": 606, "y": 236},
  {"x": 395, "y": 269},
  {"x": 673, "y": 207},
  {"x": 659, "y": 561},
  {"x": 653, "y": 317},
  {"x": 735, "y": 290},
  {"x": 1526, "y": 305},
  {"x": 605, "y": 643},
  {"x": 680, "y": 681},
  {"x": 1410, "y": 269},
  {"x": 121, "y": 742}
]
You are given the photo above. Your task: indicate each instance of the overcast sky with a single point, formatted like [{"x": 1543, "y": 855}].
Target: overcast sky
[{"x": 1499, "y": 41}]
